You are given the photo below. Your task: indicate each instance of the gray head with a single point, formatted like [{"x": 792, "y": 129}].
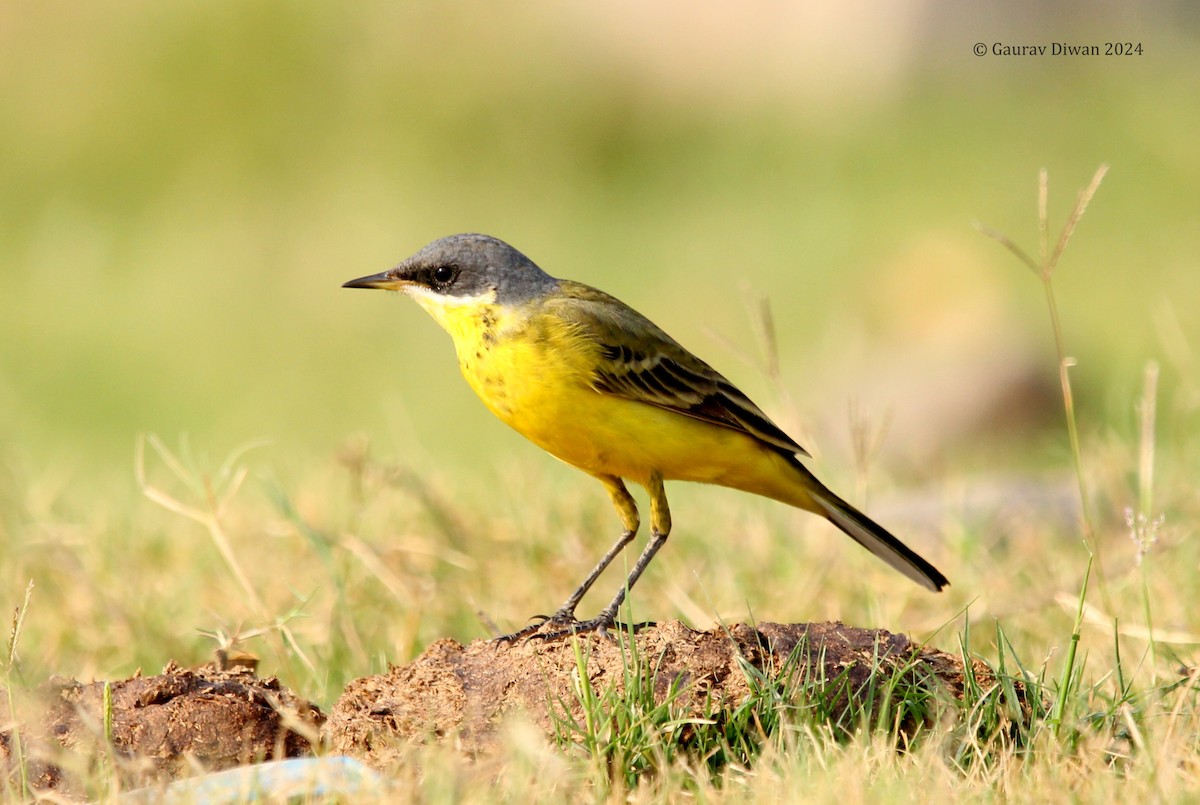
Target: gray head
[{"x": 468, "y": 265}]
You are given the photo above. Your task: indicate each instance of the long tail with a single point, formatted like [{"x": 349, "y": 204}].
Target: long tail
[{"x": 875, "y": 538}]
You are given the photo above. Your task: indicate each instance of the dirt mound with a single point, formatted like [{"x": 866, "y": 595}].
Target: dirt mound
[
  {"x": 185, "y": 721},
  {"x": 160, "y": 727},
  {"x": 452, "y": 690}
]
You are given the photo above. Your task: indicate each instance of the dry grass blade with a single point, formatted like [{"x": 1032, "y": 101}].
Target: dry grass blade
[
  {"x": 1043, "y": 215},
  {"x": 209, "y": 518},
  {"x": 867, "y": 440},
  {"x": 217, "y": 499},
  {"x": 1045, "y": 271},
  {"x": 1147, "y": 407},
  {"x": 1007, "y": 242},
  {"x": 765, "y": 325},
  {"x": 1108, "y": 625},
  {"x": 153, "y": 493},
  {"x": 1081, "y": 204},
  {"x": 14, "y": 634}
]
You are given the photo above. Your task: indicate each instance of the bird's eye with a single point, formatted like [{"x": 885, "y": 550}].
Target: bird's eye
[{"x": 444, "y": 275}]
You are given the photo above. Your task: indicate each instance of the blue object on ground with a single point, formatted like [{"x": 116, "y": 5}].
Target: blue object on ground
[{"x": 274, "y": 781}]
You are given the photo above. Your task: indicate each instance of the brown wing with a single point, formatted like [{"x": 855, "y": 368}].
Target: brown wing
[{"x": 641, "y": 362}]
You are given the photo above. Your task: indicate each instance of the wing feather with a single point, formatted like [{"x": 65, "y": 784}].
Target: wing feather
[{"x": 641, "y": 362}]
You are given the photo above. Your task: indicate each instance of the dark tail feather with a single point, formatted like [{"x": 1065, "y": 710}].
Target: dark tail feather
[{"x": 872, "y": 536}]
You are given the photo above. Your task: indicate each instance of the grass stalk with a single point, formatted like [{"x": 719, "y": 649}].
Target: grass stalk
[
  {"x": 1067, "y": 680},
  {"x": 215, "y": 498},
  {"x": 1145, "y": 525},
  {"x": 1044, "y": 269},
  {"x": 16, "y": 747}
]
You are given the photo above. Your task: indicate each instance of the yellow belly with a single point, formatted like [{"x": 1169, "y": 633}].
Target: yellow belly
[{"x": 539, "y": 384}]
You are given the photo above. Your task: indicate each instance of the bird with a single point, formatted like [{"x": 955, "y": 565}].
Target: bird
[{"x": 601, "y": 387}]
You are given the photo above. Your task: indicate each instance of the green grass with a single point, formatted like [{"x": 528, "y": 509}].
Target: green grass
[{"x": 628, "y": 734}]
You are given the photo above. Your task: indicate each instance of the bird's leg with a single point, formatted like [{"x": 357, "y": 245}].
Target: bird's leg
[
  {"x": 660, "y": 528},
  {"x": 626, "y": 508},
  {"x": 565, "y": 615}
]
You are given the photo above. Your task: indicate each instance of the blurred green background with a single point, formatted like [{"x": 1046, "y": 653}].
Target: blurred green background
[{"x": 184, "y": 187}]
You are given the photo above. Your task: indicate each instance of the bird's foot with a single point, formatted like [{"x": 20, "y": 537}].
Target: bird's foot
[
  {"x": 600, "y": 625},
  {"x": 561, "y": 619},
  {"x": 564, "y": 624}
]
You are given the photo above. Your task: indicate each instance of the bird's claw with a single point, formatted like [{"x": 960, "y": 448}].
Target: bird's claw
[
  {"x": 538, "y": 622},
  {"x": 599, "y": 626},
  {"x": 569, "y": 625}
]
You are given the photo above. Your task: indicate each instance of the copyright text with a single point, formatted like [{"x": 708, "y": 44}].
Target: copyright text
[{"x": 1058, "y": 49}]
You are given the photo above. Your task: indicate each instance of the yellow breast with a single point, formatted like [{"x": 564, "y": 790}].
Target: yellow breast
[
  {"x": 525, "y": 367},
  {"x": 534, "y": 370}
]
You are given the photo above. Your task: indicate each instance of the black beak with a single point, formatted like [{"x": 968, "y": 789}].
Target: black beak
[{"x": 386, "y": 281}]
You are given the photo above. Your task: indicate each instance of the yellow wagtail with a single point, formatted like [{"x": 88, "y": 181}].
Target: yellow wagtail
[{"x": 595, "y": 383}]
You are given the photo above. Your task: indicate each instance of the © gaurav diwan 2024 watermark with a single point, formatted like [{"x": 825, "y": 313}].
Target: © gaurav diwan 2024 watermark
[{"x": 1058, "y": 49}]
